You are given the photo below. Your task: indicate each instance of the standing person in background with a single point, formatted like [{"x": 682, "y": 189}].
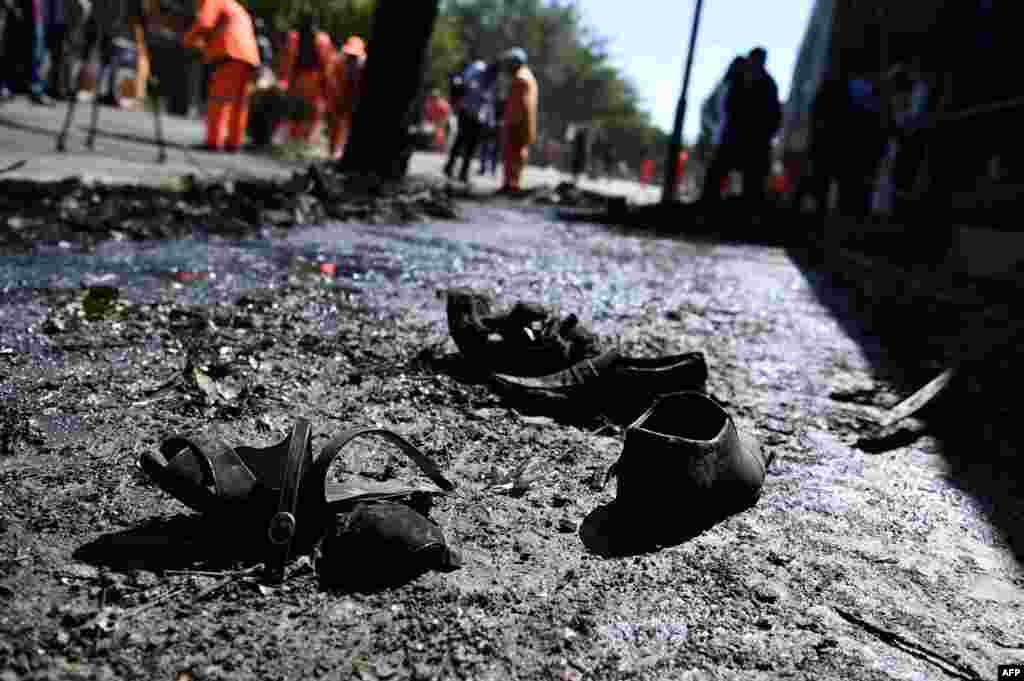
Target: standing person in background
[
  {"x": 304, "y": 73},
  {"x": 24, "y": 46},
  {"x": 345, "y": 86},
  {"x": 56, "y": 44},
  {"x": 489, "y": 146},
  {"x": 520, "y": 128},
  {"x": 580, "y": 152},
  {"x": 224, "y": 32},
  {"x": 476, "y": 112},
  {"x": 752, "y": 116}
]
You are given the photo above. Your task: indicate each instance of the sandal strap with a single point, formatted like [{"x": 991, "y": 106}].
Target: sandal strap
[
  {"x": 331, "y": 450},
  {"x": 211, "y": 460},
  {"x": 282, "y": 527}
]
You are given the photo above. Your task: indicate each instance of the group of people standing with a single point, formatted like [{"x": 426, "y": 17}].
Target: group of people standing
[
  {"x": 329, "y": 81},
  {"x": 749, "y": 115},
  {"x": 485, "y": 119},
  {"x": 309, "y": 68},
  {"x": 236, "y": 55}
]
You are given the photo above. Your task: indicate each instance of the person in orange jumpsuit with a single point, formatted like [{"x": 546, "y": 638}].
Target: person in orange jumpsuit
[
  {"x": 344, "y": 86},
  {"x": 224, "y": 32},
  {"x": 304, "y": 73},
  {"x": 520, "y": 129},
  {"x": 437, "y": 110}
]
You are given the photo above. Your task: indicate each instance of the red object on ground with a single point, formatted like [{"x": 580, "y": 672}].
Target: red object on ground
[
  {"x": 328, "y": 268},
  {"x": 190, "y": 277}
]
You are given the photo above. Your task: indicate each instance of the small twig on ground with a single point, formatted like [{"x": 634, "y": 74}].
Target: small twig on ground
[
  {"x": 951, "y": 668},
  {"x": 603, "y": 427},
  {"x": 14, "y": 166},
  {"x": 919, "y": 399}
]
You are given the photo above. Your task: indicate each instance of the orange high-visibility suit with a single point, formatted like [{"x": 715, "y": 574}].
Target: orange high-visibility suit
[
  {"x": 437, "y": 110},
  {"x": 344, "y": 87},
  {"x": 223, "y": 31},
  {"x": 520, "y": 129},
  {"x": 308, "y": 81}
]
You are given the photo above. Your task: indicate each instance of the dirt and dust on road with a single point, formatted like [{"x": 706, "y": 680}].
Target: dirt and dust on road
[{"x": 854, "y": 565}]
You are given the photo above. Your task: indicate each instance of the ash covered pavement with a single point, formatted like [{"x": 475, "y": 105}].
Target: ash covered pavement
[{"x": 898, "y": 564}]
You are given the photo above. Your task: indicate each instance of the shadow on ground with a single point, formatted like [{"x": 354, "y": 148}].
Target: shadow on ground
[
  {"x": 184, "y": 541},
  {"x": 972, "y": 420},
  {"x": 728, "y": 223},
  {"x": 908, "y": 342},
  {"x": 612, "y": 532}
]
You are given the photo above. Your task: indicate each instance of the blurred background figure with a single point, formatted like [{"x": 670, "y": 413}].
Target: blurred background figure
[
  {"x": 223, "y": 31},
  {"x": 520, "y": 127},
  {"x": 752, "y": 115},
  {"x": 475, "y": 111},
  {"x": 304, "y": 73},
  {"x": 345, "y": 82},
  {"x": 580, "y": 152},
  {"x": 24, "y": 50},
  {"x": 490, "y": 147}
]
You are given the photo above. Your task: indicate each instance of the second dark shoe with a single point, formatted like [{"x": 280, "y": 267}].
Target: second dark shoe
[
  {"x": 527, "y": 340},
  {"x": 619, "y": 387}
]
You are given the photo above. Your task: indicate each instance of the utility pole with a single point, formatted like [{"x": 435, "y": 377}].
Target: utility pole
[{"x": 670, "y": 190}]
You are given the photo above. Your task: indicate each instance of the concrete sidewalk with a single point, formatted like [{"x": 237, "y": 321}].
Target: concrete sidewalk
[{"x": 126, "y": 152}]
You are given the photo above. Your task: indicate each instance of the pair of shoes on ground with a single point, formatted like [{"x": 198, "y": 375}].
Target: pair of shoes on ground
[
  {"x": 541, "y": 362},
  {"x": 279, "y": 501},
  {"x": 680, "y": 442}
]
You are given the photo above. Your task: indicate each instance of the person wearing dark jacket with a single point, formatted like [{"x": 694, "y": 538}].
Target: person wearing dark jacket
[
  {"x": 59, "y": 77},
  {"x": 24, "y": 50},
  {"x": 753, "y": 115}
]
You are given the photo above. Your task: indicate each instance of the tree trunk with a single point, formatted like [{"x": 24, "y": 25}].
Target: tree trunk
[{"x": 380, "y": 142}]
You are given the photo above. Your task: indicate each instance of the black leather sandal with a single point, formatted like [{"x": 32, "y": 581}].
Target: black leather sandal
[
  {"x": 257, "y": 485},
  {"x": 282, "y": 492}
]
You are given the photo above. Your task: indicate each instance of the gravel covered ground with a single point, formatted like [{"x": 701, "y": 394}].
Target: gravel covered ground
[{"x": 852, "y": 565}]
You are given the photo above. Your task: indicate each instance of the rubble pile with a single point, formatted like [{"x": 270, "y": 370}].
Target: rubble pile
[{"x": 73, "y": 211}]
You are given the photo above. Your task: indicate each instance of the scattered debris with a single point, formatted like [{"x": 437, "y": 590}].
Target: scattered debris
[
  {"x": 950, "y": 667},
  {"x": 918, "y": 400},
  {"x": 71, "y": 211}
]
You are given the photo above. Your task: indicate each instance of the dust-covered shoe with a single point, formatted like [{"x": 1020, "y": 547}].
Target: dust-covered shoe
[
  {"x": 527, "y": 340},
  {"x": 619, "y": 387},
  {"x": 687, "y": 448}
]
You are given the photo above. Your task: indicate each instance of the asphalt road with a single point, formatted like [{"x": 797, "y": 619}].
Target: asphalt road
[{"x": 126, "y": 152}]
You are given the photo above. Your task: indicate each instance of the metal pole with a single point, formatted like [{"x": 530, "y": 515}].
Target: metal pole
[{"x": 670, "y": 190}]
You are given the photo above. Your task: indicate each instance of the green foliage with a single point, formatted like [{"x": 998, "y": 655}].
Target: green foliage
[
  {"x": 340, "y": 18},
  {"x": 578, "y": 83}
]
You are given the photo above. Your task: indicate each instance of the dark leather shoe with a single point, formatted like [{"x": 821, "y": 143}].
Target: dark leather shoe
[
  {"x": 686, "y": 448},
  {"x": 527, "y": 340},
  {"x": 619, "y": 387}
]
